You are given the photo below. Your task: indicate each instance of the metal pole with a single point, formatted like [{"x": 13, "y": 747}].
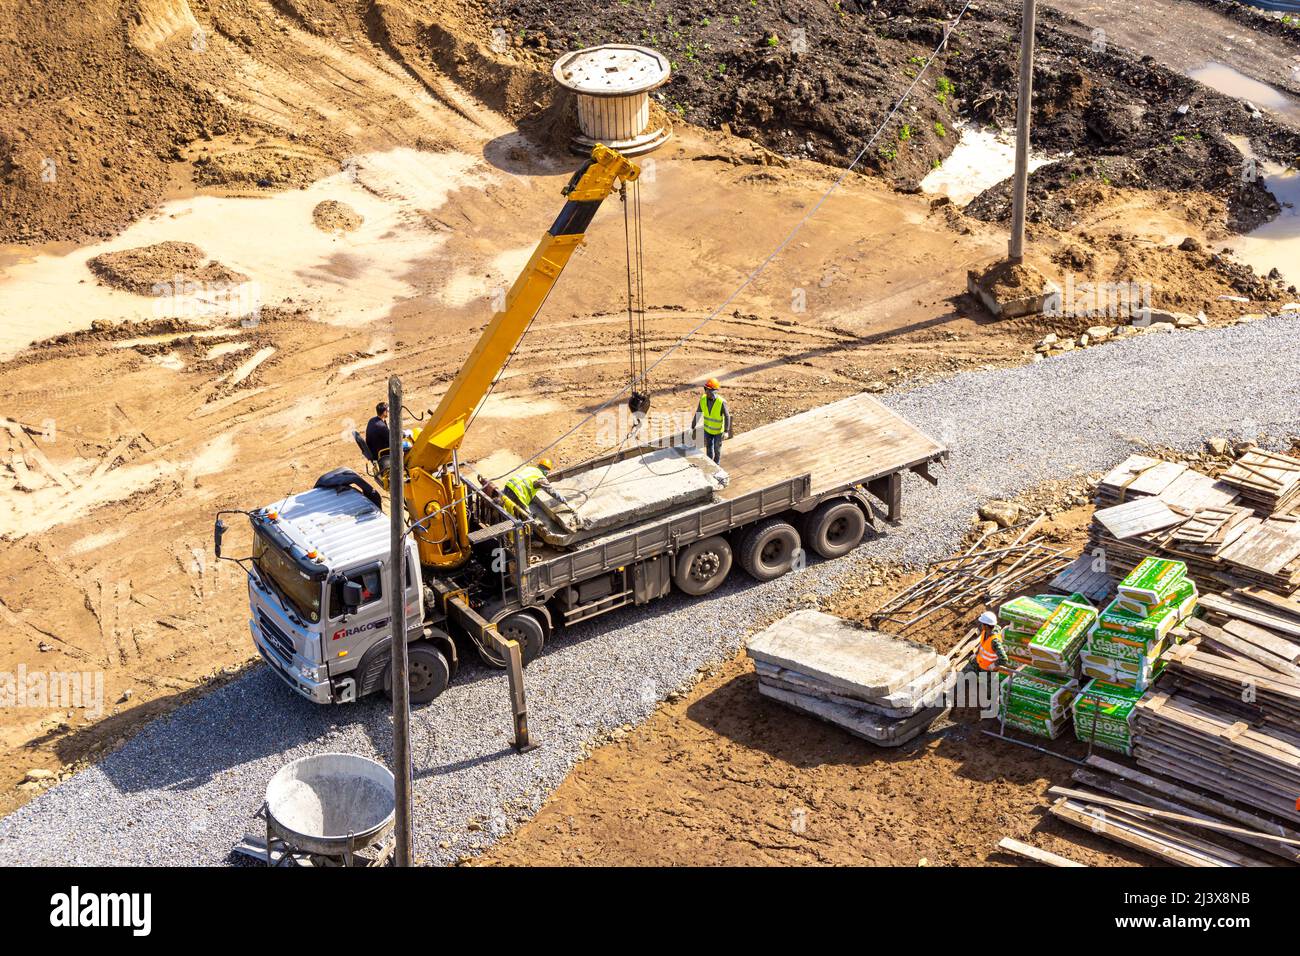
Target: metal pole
[
  {"x": 397, "y": 604},
  {"x": 1024, "y": 110}
]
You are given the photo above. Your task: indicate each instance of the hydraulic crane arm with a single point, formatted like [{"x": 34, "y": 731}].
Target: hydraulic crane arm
[
  {"x": 589, "y": 186},
  {"x": 434, "y": 493}
]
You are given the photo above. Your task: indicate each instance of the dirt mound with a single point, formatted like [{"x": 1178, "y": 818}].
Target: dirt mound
[
  {"x": 158, "y": 269},
  {"x": 266, "y": 166},
  {"x": 89, "y": 120},
  {"x": 334, "y": 216}
]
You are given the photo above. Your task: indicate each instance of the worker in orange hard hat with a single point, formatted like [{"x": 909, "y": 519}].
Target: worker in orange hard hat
[{"x": 716, "y": 418}]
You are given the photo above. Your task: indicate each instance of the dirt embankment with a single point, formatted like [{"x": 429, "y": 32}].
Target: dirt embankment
[
  {"x": 110, "y": 107},
  {"x": 812, "y": 79}
]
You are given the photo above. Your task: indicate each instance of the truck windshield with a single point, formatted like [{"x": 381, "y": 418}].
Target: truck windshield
[{"x": 302, "y": 593}]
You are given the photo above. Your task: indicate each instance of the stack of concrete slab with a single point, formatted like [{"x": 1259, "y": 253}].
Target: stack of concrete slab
[
  {"x": 638, "y": 487},
  {"x": 880, "y": 687}
]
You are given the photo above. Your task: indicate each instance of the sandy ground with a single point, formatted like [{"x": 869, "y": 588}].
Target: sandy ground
[{"x": 129, "y": 420}]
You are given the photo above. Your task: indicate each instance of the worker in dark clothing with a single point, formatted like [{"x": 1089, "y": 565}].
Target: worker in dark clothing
[
  {"x": 716, "y": 416},
  {"x": 377, "y": 439}
]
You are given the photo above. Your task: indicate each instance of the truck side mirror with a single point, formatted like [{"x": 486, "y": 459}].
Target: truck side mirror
[
  {"x": 218, "y": 532},
  {"x": 351, "y": 596}
]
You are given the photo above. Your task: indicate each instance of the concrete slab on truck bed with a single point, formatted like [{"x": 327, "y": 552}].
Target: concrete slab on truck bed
[
  {"x": 623, "y": 493},
  {"x": 854, "y": 439},
  {"x": 842, "y": 654}
]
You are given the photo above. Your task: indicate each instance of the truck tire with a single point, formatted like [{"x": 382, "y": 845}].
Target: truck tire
[
  {"x": 768, "y": 548},
  {"x": 428, "y": 673},
  {"x": 524, "y": 628},
  {"x": 834, "y": 529},
  {"x": 703, "y": 566}
]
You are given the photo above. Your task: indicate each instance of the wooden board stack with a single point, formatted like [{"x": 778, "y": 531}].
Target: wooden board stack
[
  {"x": 1171, "y": 822},
  {"x": 1164, "y": 509},
  {"x": 1240, "y": 668},
  {"x": 1269, "y": 482},
  {"x": 1201, "y": 744}
]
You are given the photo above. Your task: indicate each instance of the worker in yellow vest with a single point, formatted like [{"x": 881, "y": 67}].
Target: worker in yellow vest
[
  {"x": 521, "y": 487},
  {"x": 716, "y": 416},
  {"x": 991, "y": 655}
]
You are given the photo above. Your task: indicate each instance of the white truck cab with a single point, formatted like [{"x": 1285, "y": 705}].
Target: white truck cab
[{"x": 319, "y": 582}]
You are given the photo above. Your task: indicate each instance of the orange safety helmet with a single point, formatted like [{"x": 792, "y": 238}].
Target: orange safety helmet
[
  {"x": 713, "y": 384},
  {"x": 546, "y": 464}
]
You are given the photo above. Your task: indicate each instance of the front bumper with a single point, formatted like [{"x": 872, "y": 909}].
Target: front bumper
[{"x": 321, "y": 692}]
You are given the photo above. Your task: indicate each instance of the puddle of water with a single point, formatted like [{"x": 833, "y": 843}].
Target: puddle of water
[
  {"x": 1276, "y": 244},
  {"x": 1234, "y": 83},
  {"x": 982, "y": 158},
  {"x": 348, "y": 279}
]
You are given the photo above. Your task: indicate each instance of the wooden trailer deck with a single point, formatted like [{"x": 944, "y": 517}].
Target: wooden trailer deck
[{"x": 854, "y": 440}]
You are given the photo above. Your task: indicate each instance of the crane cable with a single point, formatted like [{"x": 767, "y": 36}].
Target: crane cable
[
  {"x": 780, "y": 247},
  {"x": 637, "y": 357}
]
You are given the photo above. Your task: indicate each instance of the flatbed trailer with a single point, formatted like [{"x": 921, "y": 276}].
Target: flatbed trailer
[{"x": 785, "y": 478}]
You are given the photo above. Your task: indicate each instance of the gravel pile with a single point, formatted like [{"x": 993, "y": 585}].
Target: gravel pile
[{"x": 186, "y": 788}]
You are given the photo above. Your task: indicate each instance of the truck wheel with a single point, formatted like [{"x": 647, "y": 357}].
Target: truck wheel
[
  {"x": 522, "y": 627},
  {"x": 703, "y": 566},
  {"x": 834, "y": 529},
  {"x": 428, "y": 673},
  {"x": 768, "y": 549},
  {"x": 527, "y": 630}
]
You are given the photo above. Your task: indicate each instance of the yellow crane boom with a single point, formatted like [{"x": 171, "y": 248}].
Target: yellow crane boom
[{"x": 434, "y": 490}]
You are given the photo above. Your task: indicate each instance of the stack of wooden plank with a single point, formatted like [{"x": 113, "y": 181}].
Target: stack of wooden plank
[
  {"x": 1268, "y": 482},
  {"x": 1174, "y": 823},
  {"x": 1200, "y": 743},
  {"x": 1267, "y": 552},
  {"x": 1257, "y": 606},
  {"x": 1206, "y": 531},
  {"x": 1168, "y": 510},
  {"x": 1240, "y": 669},
  {"x": 1137, "y": 477}
]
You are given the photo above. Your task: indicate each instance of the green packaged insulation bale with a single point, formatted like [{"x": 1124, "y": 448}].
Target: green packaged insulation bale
[
  {"x": 1114, "y": 644},
  {"x": 1105, "y": 712},
  {"x": 1030, "y": 688},
  {"x": 1024, "y": 614},
  {"x": 1118, "y": 672},
  {"x": 1123, "y": 678},
  {"x": 1150, "y": 629},
  {"x": 1183, "y": 597},
  {"x": 1058, "y": 641},
  {"x": 1040, "y": 727},
  {"x": 1152, "y": 580}
]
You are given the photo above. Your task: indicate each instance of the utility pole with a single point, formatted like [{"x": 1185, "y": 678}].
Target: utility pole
[
  {"x": 1024, "y": 110},
  {"x": 397, "y": 604}
]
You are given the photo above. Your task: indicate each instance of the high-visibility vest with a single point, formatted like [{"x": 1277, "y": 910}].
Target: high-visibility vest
[
  {"x": 715, "y": 418},
  {"x": 987, "y": 658},
  {"x": 523, "y": 483}
]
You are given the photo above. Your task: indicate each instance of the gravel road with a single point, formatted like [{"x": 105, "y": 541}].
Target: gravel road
[{"x": 187, "y": 786}]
